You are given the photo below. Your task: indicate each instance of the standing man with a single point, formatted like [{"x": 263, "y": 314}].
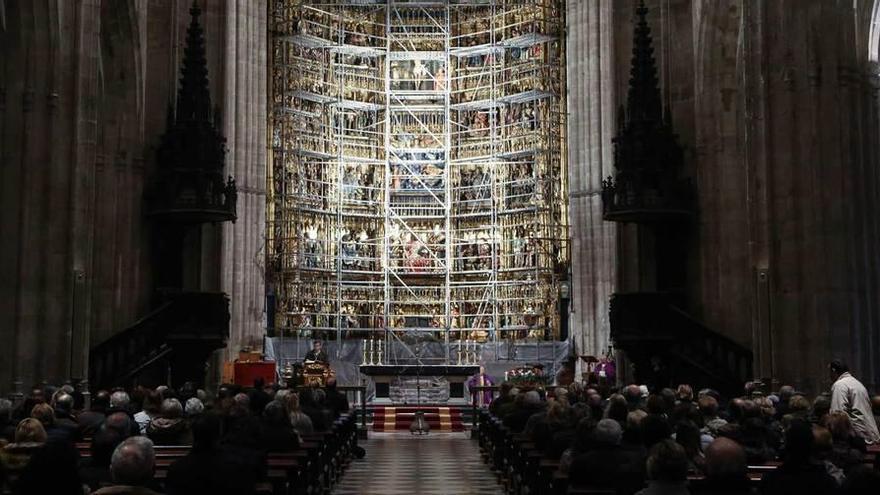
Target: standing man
[
  {"x": 481, "y": 379},
  {"x": 317, "y": 355},
  {"x": 850, "y": 396}
]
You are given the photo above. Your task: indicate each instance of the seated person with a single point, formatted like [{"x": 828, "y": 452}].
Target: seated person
[
  {"x": 667, "y": 469},
  {"x": 606, "y": 465},
  {"x": 799, "y": 473},
  {"x": 131, "y": 468},
  {"x": 317, "y": 355},
  {"x": 170, "y": 427},
  {"x": 210, "y": 467},
  {"x": 726, "y": 470},
  {"x": 30, "y": 436},
  {"x": 94, "y": 471}
]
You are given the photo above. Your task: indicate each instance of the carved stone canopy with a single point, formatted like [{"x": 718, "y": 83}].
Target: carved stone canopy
[
  {"x": 646, "y": 187},
  {"x": 190, "y": 186}
]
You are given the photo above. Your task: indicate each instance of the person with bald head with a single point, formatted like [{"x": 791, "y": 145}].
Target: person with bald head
[
  {"x": 726, "y": 470},
  {"x": 64, "y": 417},
  {"x": 131, "y": 468}
]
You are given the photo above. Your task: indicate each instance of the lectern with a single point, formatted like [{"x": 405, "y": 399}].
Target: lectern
[{"x": 316, "y": 374}]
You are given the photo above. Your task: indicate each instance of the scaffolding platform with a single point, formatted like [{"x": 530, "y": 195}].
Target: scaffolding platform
[{"x": 418, "y": 188}]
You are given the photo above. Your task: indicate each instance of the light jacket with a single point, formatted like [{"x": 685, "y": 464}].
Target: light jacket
[{"x": 850, "y": 396}]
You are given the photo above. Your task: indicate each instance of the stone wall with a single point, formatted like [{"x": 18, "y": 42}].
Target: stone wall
[
  {"x": 776, "y": 105},
  {"x": 591, "y": 110},
  {"x": 84, "y": 90}
]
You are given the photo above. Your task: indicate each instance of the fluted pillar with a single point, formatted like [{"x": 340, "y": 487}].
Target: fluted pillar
[
  {"x": 244, "y": 125},
  {"x": 591, "y": 109},
  {"x": 787, "y": 181}
]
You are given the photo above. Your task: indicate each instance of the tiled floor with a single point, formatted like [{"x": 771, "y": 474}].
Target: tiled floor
[{"x": 435, "y": 464}]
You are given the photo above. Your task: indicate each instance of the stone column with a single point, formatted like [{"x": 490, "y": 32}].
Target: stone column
[
  {"x": 591, "y": 108},
  {"x": 244, "y": 125},
  {"x": 787, "y": 185}
]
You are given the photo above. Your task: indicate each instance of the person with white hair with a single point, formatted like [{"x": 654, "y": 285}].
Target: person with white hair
[
  {"x": 131, "y": 468},
  {"x": 170, "y": 428},
  {"x": 194, "y": 407},
  {"x": 120, "y": 400}
]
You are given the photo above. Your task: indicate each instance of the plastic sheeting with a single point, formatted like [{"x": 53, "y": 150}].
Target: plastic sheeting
[{"x": 346, "y": 356}]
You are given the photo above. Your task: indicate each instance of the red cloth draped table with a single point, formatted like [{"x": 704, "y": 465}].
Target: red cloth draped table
[{"x": 248, "y": 371}]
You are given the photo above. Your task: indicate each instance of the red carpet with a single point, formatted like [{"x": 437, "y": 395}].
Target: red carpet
[{"x": 398, "y": 418}]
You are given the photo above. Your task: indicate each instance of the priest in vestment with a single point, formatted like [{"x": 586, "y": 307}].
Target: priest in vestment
[
  {"x": 317, "y": 354},
  {"x": 481, "y": 379}
]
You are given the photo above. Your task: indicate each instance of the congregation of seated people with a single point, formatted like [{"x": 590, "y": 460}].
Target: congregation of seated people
[
  {"x": 51, "y": 443},
  {"x": 675, "y": 441}
]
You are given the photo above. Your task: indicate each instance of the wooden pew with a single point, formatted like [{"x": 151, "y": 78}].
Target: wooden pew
[{"x": 311, "y": 469}]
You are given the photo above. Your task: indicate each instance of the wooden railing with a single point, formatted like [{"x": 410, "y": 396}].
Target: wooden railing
[
  {"x": 645, "y": 324},
  {"x": 184, "y": 317}
]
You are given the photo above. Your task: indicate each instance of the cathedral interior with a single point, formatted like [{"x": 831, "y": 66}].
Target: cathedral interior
[
  {"x": 688, "y": 189},
  {"x": 450, "y": 171}
]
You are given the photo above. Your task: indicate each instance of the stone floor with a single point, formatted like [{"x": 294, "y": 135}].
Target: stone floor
[{"x": 434, "y": 464}]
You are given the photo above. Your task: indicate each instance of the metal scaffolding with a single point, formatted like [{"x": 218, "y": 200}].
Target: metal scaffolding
[{"x": 418, "y": 185}]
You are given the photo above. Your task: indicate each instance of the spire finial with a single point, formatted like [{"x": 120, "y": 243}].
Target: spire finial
[
  {"x": 193, "y": 96},
  {"x": 643, "y": 100}
]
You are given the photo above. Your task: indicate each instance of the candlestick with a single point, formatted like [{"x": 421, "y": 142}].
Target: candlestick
[
  {"x": 364, "y": 351},
  {"x": 379, "y": 352},
  {"x": 372, "y": 350}
]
